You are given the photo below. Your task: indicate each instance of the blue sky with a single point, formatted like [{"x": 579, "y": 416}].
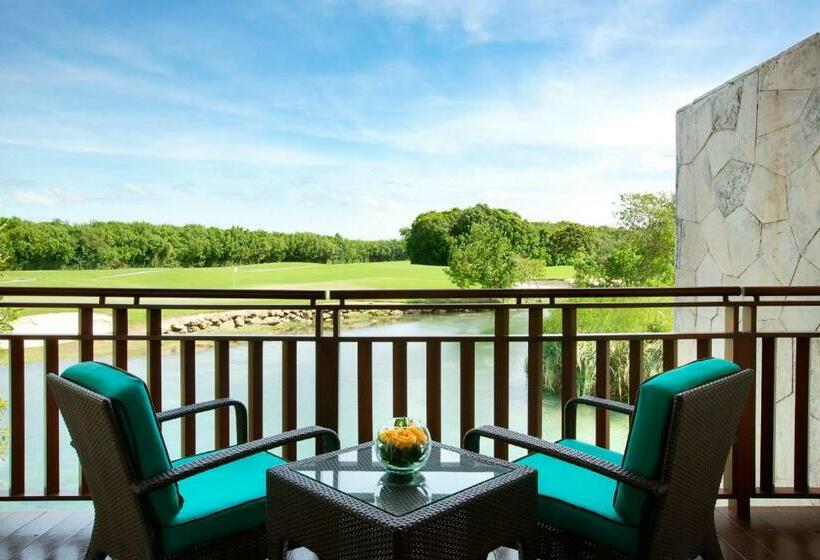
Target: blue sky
[{"x": 353, "y": 117}]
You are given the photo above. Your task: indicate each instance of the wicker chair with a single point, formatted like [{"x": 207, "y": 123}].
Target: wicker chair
[
  {"x": 657, "y": 500},
  {"x": 211, "y": 505}
]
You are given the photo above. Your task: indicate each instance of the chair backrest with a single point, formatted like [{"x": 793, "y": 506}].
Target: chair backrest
[
  {"x": 702, "y": 431},
  {"x": 138, "y": 425},
  {"x": 121, "y": 520},
  {"x": 648, "y": 435}
]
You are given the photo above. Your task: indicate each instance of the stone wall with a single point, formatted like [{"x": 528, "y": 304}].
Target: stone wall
[{"x": 748, "y": 208}]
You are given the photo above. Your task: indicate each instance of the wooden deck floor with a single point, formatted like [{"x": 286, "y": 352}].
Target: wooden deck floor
[{"x": 775, "y": 533}]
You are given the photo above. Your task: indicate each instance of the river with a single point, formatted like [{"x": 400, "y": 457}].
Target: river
[{"x": 445, "y": 325}]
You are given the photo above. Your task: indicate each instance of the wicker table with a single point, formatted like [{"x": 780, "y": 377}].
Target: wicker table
[{"x": 343, "y": 505}]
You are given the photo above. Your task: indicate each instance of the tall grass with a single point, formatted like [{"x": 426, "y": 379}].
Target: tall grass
[{"x": 631, "y": 320}]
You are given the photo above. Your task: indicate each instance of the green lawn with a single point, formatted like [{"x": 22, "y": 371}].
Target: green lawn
[{"x": 386, "y": 275}]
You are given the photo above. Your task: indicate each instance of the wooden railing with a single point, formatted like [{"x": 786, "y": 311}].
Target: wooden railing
[{"x": 748, "y": 476}]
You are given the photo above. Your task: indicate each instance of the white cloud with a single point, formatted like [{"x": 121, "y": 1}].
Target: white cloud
[{"x": 47, "y": 197}]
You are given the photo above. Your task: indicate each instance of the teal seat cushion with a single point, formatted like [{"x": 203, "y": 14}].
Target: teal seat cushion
[
  {"x": 650, "y": 423},
  {"x": 135, "y": 415},
  {"x": 581, "y": 501},
  {"x": 219, "y": 502}
]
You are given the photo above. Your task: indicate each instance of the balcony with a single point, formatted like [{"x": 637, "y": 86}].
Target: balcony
[{"x": 478, "y": 356}]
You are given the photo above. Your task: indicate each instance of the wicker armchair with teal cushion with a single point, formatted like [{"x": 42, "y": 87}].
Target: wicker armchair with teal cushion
[
  {"x": 656, "y": 501},
  {"x": 146, "y": 505}
]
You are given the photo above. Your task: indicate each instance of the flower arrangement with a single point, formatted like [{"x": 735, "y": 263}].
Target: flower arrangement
[{"x": 403, "y": 446}]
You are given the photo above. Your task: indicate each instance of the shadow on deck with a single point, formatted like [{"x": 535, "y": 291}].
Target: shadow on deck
[{"x": 781, "y": 533}]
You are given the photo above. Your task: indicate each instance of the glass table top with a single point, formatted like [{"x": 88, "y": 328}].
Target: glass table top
[{"x": 358, "y": 473}]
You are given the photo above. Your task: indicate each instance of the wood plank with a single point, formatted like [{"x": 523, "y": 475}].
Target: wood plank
[
  {"x": 17, "y": 541},
  {"x": 501, "y": 377},
  {"x": 17, "y": 405},
  {"x": 467, "y": 386},
  {"x": 767, "y": 413},
  {"x": 289, "y": 402},
  {"x": 670, "y": 354},
  {"x": 364, "y": 378},
  {"x": 434, "y": 389},
  {"x": 222, "y": 384},
  {"x": 52, "y": 422},
  {"x": 327, "y": 385},
  {"x": 801, "y": 414},
  {"x": 535, "y": 371},
  {"x": 52, "y": 543},
  {"x": 153, "y": 321},
  {"x": 255, "y": 388},
  {"x": 85, "y": 316},
  {"x": 704, "y": 348},
  {"x": 635, "y": 369},
  {"x": 399, "y": 378},
  {"x": 187, "y": 386},
  {"x": 120, "y": 320},
  {"x": 602, "y": 391}
]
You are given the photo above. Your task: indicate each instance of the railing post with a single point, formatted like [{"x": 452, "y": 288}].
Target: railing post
[
  {"x": 222, "y": 384},
  {"x": 535, "y": 370},
  {"x": 467, "y": 388},
  {"x": 602, "y": 391},
  {"x": 120, "y": 328},
  {"x": 52, "y": 421},
  {"x": 154, "y": 331},
  {"x": 569, "y": 358},
  {"x": 255, "y": 388},
  {"x": 187, "y": 388},
  {"x": 501, "y": 377},
  {"x": 289, "y": 394},
  {"x": 86, "y": 330},
  {"x": 17, "y": 374},
  {"x": 327, "y": 382},
  {"x": 744, "y": 352},
  {"x": 364, "y": 377},
  {"x": 434, "y": 389}
]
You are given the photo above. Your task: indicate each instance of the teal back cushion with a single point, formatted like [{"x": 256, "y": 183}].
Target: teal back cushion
[
  {"x": 647, "y": 437},
  {"x": 135, "y": 415}
]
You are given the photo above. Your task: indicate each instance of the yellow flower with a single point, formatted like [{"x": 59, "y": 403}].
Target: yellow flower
[
  {"x": 403, "y": 438},
  {"x": 419, "y": 434}
]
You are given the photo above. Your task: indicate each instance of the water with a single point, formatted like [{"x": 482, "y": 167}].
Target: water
[{"x": 420, "y": 325}]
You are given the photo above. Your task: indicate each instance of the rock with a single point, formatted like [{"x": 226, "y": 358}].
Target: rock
[
  {"x": 731, "y": 184},
  {"x": 803, "y": 195},
  {"x": 781, "y": 254},
  {"x": 239, "y": 321},
  {"x": 766, "y": 195},
  {"x": 743, "y": 233},
  {"x": 779, "y": 109},
  {"x": 705, "y": 198},
  {"x": 784, "y": 150},
  {"x": 797, "y": 68},
  {"x": 726, "y": 106}
]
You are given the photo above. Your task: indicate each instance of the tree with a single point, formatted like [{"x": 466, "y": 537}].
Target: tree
[
  {"x": 486, "y": 258},
  {"x": 428, "y": 240},
  {"x": 642, "y": 250},
  {"x": 568, "y": 243}
]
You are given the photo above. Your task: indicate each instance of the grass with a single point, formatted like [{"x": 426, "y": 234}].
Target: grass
[{"x": 384, "y": 275}]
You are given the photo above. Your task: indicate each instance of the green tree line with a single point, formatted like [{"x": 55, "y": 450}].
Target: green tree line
[
  {"x": 497, "y": 248},
  {"x": 59, "y": 245}
]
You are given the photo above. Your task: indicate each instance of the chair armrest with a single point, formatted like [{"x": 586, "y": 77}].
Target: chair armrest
[
  {"x": 241, "y": 414},
  {"x": 230, "y": 454},
  {"x": 571, "y": 411},
  {"x": 578, "y": 458}
]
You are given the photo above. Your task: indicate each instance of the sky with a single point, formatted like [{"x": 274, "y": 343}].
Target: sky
[{"x": 352, "y": 117}]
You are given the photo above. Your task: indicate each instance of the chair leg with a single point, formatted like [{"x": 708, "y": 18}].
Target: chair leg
[
  {"x": 712, "y": 548},
  {"x": 94, "y": 552}
]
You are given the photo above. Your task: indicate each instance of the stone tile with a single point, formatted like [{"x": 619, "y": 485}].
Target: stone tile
[
  {"x": 803, "y": 196},
  {"x": 691, "y": 246},
  {"x": 810, "y": 121},
  {"x": 780, "y": 251},
  {"x": 783, "y": 150},
  {"x": 695, "y": 126},
  {"x": 759, "y": 274},
  {"x": 746, "y": 130},
  {"x": 721, "y": 149},
  {"x": 743, "y": 232},
  {"x": 812, "y": 251},
  {"x": 685, "y": 194},
  {"x": 779, "y": 109},
  {"x": 798, "y": 68},
  {"x": 715, "y": 234},
  {"x": 731, "y": 184},
  {"x": 705, "y": 198},
  {"x": 726, "y": 106},
  {"x": 766, "y": 195}
]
